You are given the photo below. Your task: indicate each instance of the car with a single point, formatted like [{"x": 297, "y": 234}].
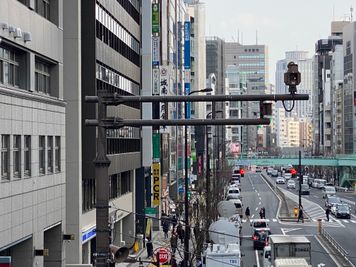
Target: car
[
  {"x": 341, "y": 211},
  {"x": 280, "y": 180},
  {"x": 258, "y": 169},
  {"x": 304, "y": 189},
  {"x": 259, "y": 223},
  {"x": 238, "y": 206},
  {"x": 291, "y": 184},
  {"x": 332, "y": 200},
  {"x": 260, "y": 238},
  {"x": 329, "y": 191},
  {"x": 274, "y": 173},
  {"x": 233, "y": 193},
  {"x": 269, "y": 171},
  {"x": 287, "y": 176}
]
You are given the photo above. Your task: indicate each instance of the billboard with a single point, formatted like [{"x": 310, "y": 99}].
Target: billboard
[
  {"x": 187, "y": 65},
  {"x": 156, "y": 186}
]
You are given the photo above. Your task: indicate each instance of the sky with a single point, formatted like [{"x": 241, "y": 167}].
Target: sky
[{"x": 282, "y": 25}]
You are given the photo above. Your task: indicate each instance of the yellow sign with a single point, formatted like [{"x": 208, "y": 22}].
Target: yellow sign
[{"x": 156, "y": 183}]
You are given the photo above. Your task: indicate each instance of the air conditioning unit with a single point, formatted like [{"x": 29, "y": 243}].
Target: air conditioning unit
[
  {"x": 12, "y": 29},
  {"x": 27, "y": 37},
  {"x": 4, "y": 25},
  {"x": 18, "y": 33}
]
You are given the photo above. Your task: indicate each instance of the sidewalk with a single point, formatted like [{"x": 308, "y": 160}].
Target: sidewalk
[{"x": 158, "y": 240}]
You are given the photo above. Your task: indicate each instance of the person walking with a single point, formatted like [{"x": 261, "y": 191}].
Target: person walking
[
  {"x": 174, "y": 242},
  {"x": 165, "y": 229},
  {"x": 300, "y": 214},
  {"x": 180, "y": 232},
  {"x": 261, "y": 213},
  {"x": 149, "y": 247},
  {"x": 247, "y": 214},
  {"x": 327, "y": 212},
  {"x": 264, "y": 212}
]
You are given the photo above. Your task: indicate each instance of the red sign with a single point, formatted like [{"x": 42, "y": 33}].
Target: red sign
[{"x": 164, "y": 255}]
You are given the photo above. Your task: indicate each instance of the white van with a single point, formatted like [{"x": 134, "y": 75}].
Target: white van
[
  {"x": 328, "y": 191},
  {"x": 233, "y": 193}
]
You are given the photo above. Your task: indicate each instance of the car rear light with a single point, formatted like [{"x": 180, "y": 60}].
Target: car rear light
[{"x": 254, "y": 237}]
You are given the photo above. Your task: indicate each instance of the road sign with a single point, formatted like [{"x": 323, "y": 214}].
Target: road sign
[
  {"x": 164, "y": 255},
  {"x": 149, "y": 210},
  {"x": 181, "y": 189}
]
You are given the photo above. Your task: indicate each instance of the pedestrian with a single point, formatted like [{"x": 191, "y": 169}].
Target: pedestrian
[
  {"x": 174, "y": 242},
  {"x": 300, "y": 214},
  {"x": 165, "y": 229},
  {"x": 180, "y": 232},
  {"x": 247, "y": 214},
  {"x": 174, "y": 221},
  {"x": 149, "y": 247},
  {"x": 261, "y": 213},
  {"x": 264, "y": 212},
  {"x": 327, "y": 212},
  {"x": 173, "y": 261}
]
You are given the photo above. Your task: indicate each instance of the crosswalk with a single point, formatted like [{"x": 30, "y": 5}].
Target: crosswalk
[
  {"x": 331, "y": 220},
  {"x": 267, "y": 220}
]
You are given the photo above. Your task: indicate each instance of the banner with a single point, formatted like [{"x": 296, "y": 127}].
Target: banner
[
  {"x": 155, "y": 51},
  {"x": 156, "y": 192},
  {"x": 155, "y": 18}
]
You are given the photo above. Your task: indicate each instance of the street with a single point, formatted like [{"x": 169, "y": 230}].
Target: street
[{"x": 257, "y": 194}]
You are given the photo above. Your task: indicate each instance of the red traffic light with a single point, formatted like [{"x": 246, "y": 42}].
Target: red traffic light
[
  {"x": 293, "y": 171},
  {"x": 242, "y": 171}
]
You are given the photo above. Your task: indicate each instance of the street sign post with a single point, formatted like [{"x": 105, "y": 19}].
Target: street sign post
[{"x": 164, "y": 255}]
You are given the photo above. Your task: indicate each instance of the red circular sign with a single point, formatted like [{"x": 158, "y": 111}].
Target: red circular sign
[{"x": 164, "y": 255}]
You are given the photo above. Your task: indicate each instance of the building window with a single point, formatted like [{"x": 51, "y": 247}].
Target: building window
[
  {"x": 5, "y": 157},
  {"x": 50, "y": 154},
  {"x": 57, "y": 149},
  {"x": 42, "y": 78},
  {"x": 27, "y": 155},
  {"x": 17, "y": 156},
  {"x": 42, "y": 150},
  {"x": 42, "y": 7},
  {"x": 9, "y": 67}
]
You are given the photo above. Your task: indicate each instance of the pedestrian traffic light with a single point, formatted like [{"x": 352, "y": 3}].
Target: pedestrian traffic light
[
  {"x": 242, "y": 172},
  {"x": 292, "y": 77},
  {"x": 293, "y": 172},
  {"x": 189, "y": 195}
]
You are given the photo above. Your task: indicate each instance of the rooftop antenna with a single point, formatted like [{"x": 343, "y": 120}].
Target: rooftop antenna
[
  {"x": 351, "y": 11},
  {"x": 256, "y": 37},
  {"x": 242, "y": 38}
]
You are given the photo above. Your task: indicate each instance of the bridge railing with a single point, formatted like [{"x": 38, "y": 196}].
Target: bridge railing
[{"x": 337, "y": 246}]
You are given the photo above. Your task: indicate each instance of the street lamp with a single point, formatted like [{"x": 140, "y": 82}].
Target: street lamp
[
  {"x": 186, "y": 185},
  {"x": 207, "y": 200}
]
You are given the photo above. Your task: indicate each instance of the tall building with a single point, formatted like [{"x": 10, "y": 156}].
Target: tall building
[
  {"x": 102, "y": 41},
  {"x": 252, "y": 61},
  {"x": 303, "y": 109},
  {"x": 32, "y": 133},
  {"x": 349, "y": 51}
]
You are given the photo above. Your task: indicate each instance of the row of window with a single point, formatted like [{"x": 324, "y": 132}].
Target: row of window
[
  {"x": 13, "y": 70},
  {"x": 114, "y": 78},
  {"x": 120, "y": 184},
  {"x": 252, "y": 50},
  {"x": 22, "y": 145},
  {"x": 124, "y": 132},
  {"x": 115, "y": 27},
  {"x": 252, "y": 56},
  {"x": 253, "y": 72},
  {"x": 132, "y": 7},
  {"x": 121, "y": 145},
  {"x": 252, "y": 64},
  {"x": 42, "y": 7}
]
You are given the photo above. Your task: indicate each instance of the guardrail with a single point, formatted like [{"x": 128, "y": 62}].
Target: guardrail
[{"x": 332, "y": 241}]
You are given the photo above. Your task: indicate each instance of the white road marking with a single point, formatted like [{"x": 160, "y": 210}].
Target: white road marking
[
  {"x": 275, "y": 220},
  {"x": 352, "y": 221},
  {"x": 256, "y": 208},
  {"x": 345, "y": 221},
  {"x": 258, "y": 194},
  {"x": 257, "y": 260}
]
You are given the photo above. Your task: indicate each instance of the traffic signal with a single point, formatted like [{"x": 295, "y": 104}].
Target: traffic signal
[
  {"x": 292, "y": 77},
  {"x": 242, "y": 172},
  {"x": 189, "y": 195},
  {"x": 293, "y": 172}
]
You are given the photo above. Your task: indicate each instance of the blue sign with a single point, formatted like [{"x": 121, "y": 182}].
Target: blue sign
[
  {"x": 86, "y": 236},
  {"x": 181, "y": 189},
  {"x": 187, "y": 45},
  {"x": 187, "y": 108}
]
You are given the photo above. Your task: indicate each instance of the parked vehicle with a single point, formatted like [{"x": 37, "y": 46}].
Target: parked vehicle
[
  {"x": 328, "y": 191},
  {"x": 341, "y": 211},
  {"x": 319, "y": 183},
  {"x": 304, "y": 189},
  {"x": 291, "y": 184},
  {"x": 258, "y": 169},
  {"x": 332, "y": 200},
  {"x": 233, "y": 193},
  {"x": 238, "y": 206},
  {"x": 280, "y": 180}
]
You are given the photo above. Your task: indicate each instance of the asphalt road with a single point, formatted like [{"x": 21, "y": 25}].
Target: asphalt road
[
  {"x": 256, "y": 194},
  {"x": 342, "y": 230}
]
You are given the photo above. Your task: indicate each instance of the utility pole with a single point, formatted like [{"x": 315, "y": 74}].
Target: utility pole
[{"x": 300, "y": 179}]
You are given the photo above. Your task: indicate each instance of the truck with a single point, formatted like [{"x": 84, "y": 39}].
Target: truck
[
  {"x": 218, "y": 255},
  {"x": 291, "y": 262},
  {"x": 289, "y": 246}
]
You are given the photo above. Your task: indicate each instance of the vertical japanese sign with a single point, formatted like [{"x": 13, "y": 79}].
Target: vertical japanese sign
[
  {"x": 155, "y": 51},
  {"x": 156, "y": 141},
  {"x": 155, "y": 82},
  {"x": 156, "y": 183},
  {"x": 187, "y": 65},
  {"x": 164, "y": 86},
  {"x": 155, "y": 18}
]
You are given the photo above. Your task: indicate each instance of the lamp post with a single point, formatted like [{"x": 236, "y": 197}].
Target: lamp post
[
  {"x": 207, "y": 200},
  {"x": 186, "y": 184}
]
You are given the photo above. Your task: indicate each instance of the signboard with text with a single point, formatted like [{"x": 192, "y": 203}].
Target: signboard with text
[
  {"x": 155, "y": 51},
  {"x": 155, "y": 82},
  {"x": 155, "y": 18},
  {"x": 156, "y": 175}
]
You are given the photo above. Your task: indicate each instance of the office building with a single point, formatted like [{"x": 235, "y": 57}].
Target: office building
[
  {"x": 102, "y": 41},
  {"x": 32, "y": 133}
]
